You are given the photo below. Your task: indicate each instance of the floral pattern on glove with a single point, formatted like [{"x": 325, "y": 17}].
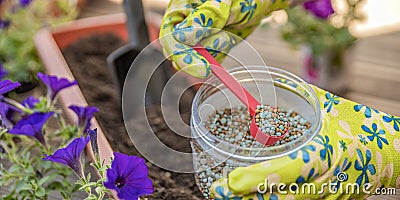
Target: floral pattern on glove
[
  {"x": 356, "y": 145},
  {"x": 216, "y": 24}
]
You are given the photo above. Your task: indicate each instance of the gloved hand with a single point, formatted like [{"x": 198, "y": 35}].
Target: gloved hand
[
  {"x": 357, "y": 144},
  {"x": 217, "y": 24}
]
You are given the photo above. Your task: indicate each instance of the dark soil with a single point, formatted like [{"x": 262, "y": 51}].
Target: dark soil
[{"x": 87, "y": 60}]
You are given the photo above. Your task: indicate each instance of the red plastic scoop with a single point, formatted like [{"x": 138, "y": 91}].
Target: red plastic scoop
[{"x": 240, "y": 92}]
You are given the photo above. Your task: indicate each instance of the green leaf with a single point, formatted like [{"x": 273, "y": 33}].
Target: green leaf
[
  {"x": 90, "y": 184},
  {"x": 45, "y": 165},
  {"x": 80, "y": 182},
  {"x": 64, "y": 195},
  {"x": 98, "y": 190},
  {"x": 22, "y": 186},
  {"x": 13, "y": 168},
  {"x": 30, "y": 170},
  {"x": 88, "y": 177},
  {"x": 8, "y": 197},
  {"x": 101, "y": 181},
  {"x": 26, "y": 157},
  {"x": 91, "y": 197},
  {"x": 43, "y": 180},
  {"x": 68, "y": 132},
  {"x": 33, "y": 183},
  {"x": 41, "y": 106},
  {"x": 40, "y": 192}
]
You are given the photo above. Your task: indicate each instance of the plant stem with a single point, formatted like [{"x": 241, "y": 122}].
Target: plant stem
[{"x": 17, "y": 105}]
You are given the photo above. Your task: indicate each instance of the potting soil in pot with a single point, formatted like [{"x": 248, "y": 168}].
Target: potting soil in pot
[{"x": 87, "y": 60}]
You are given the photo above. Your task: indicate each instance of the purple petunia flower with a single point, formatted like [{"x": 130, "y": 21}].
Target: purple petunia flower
[
  {"x": 55, "y": 84},
  {"x": 85, "y": 114},
  {"x": 3, "y": 72},
  {"x": 319, "y": 8},
  {"x": 128, "y": 175},
  {"x": 7, "y": 85},
  {"x": 32, "y": 126},
  {"x": 4, "y": 23},
  {"x": 30, "y": 102},
  {"x": 7, "y": 113},
  {"x": 70, "y": 155},
  {"x": 24, "y": 3},
  {"x": 93, "y": 142}
]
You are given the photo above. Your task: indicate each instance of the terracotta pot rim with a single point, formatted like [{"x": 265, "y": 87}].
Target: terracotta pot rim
[{"x": 46, "y": 43}]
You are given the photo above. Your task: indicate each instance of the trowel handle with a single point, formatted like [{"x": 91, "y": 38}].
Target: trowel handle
[
  {"x": 229, "y": 81},
  {"x": 136, "y": 23}
]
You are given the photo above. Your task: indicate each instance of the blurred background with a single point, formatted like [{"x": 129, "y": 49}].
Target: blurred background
[{"x": 354, "y": 53}]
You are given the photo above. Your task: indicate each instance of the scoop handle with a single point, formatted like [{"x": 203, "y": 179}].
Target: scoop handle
[
  {"x": 229, "y": 81},
  {"x": 136, "y": 24}
]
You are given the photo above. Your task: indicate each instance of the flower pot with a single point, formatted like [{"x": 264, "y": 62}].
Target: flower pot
[
  {"x": 329, "y": 70},
  {"x": 50, "y": 41}
]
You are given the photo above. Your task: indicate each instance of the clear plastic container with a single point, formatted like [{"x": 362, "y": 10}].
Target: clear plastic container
[{"x": 215, "y": 158}]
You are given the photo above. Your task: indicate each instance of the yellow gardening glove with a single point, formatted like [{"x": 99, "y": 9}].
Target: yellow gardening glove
[
  {"x": 357, "y": 145},
  {"x": 216, "y": 24}
]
